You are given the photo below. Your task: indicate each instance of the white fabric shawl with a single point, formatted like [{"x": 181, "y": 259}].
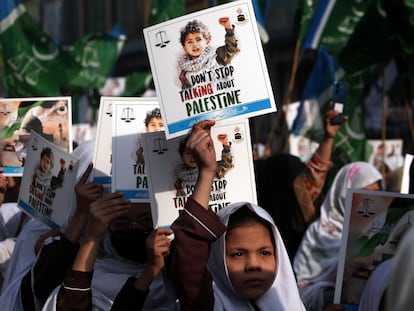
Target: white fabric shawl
[
  {"x": 20, "y": 263},
  {"x": 400, "y": 296},
  {"x": 375, "y": 287},
  {"x": 316, "y": 260},
  {"x": 9, "y": 220},
  {"x": 9, "y": 223},
  {"x": 109, "y": 275},
  {"x": 282, "y": 295}
]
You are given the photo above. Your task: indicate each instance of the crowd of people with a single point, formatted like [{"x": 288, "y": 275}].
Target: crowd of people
[{"x": 281, "y": 254}]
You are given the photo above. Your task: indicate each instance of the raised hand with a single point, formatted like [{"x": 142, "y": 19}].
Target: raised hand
[
  {"x": 201, "y": 146},
  {"x": 103, "y": 211},
  {"x": 330, "y": 128},
  {"x": 158, "y": 247},
  {"x": 87, "y": 192}
]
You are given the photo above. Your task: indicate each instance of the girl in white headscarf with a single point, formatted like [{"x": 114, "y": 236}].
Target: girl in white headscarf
[
  {"x": 316, "y": 260},
  {"x": 247, "y": 267}
]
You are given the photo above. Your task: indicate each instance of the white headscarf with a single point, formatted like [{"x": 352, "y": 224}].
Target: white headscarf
[
  {"x": 9, "y": 220},
  {"x": 400, "y": 296},
  {"x": 316, "y": 260},
  {"x": 20, "y": 263},
  {"x": 375, "y": 287},
  {"x": 282, "y": 295}
]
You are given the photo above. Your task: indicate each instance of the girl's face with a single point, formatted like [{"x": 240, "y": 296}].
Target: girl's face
[
  {"x": 195, "y": 44},
  {"x": 155, "y": 125},
  {"x": 250, "y": 259}
]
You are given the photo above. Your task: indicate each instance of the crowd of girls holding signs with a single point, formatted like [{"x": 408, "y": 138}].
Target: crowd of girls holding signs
[{"x": 109, "y": 256}]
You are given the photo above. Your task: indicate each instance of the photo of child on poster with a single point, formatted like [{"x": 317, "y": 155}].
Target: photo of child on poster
[
  {"x": 172, "y": 173},
  {"x": 206, "y": 72},
  {"x": 201, "y": 62},
  {"x": 47, "y": 182},
  {"x": 44, "y": 183},
  {"x": 153, "y": 123}
]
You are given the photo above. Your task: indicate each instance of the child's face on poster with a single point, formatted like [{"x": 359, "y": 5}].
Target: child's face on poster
[
  {"x": 45, "y": 163},
  {"x": 155, "y": 125},
  {"x": 188, "y": 159},
  {"x": 195, "y": 44}
]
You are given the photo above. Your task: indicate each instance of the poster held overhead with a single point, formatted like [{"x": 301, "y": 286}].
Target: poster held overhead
[
  {"x": 209, "y": 65},
  {"x": 173, "y": 173},
  {"x": 132, "y": 117}
]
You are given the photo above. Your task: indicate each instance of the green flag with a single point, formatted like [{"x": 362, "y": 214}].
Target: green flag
[
  {"x": 136, "y": 83},
  {"x": 304, "y": 15},
  {"x": 32, "y": 63},
  {"x": 92, "y": 58},
  {"x": 333, "y": 22},
  {"x": 369, "y": 43},
  {"x": 163, "y": 10}
]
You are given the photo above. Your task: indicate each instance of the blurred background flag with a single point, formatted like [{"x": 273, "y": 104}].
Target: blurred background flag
[
  {"x": 333, "y": 22},
  {"x": 260, "y": 11},
  {"x": 163, "y": 10},
  {"x": 137, "y": 83},
  {"x": 34, "y": 65},
  {"x": 316, "y": 94},
  {"x": 91, "y": 59},
  {"x": 317, "y": 24},
  {"x": 305, "y": 14},
  {"x": 32, "y": 62}
]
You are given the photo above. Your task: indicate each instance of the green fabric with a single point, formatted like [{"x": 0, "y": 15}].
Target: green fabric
[
  {"x": 163, "y": 10},
  {"x": 32, "y": 64},
  {"x": 91, "y": 60}
]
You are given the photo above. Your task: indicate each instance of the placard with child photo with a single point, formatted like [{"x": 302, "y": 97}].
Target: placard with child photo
[
  {"x": 209, "y": 64},
  {"x": 47, "y": 182},
  {"x": 132, "y": 117},
  {"x": 374, "y": 224},
  {"x": 173, "y": 171}
]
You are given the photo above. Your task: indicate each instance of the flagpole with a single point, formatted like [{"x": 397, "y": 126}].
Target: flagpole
[
  {"x": 384, "y": 121},
  {"x": 286, "y": 98}
]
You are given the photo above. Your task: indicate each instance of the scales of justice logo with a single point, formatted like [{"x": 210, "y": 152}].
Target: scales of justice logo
[{"x": 127, "y": 114}]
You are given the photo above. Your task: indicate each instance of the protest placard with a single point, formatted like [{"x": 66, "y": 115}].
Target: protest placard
[
  {"x": 50, "y": 117},
  {"x": 374, "y": 223},
  {"x": 172, "y": 173},
  {"x": 48, "y": 181},
  {"x": 209, "y": 65},
  {"x": 102, "y": 155},
  {"x": 132, "y": 117}
]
